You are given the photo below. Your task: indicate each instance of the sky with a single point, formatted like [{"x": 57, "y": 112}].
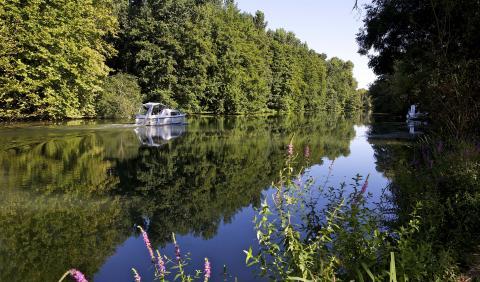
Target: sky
[{"x": 328, "y": 26}]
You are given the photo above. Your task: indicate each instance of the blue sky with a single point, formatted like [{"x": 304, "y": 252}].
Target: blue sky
[{"x": 328, "y": 26}]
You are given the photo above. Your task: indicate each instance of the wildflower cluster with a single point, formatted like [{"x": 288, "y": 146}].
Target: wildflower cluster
[
  {"x": 321, "y": 233},
  {"x": 160, "y": 264}
]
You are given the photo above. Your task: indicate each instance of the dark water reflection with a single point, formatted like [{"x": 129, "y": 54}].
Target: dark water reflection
[{"x": 71, "y": 195}]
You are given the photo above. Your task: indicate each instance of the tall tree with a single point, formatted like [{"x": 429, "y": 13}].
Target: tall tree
[
  {"x": 53, "y": 57},
  {"x": 432, "y": 45}
]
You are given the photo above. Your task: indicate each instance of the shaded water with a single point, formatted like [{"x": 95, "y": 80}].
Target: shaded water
[{"x": 71, "y": 194}]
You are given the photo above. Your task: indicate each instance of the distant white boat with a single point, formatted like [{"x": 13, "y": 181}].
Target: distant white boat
[
  {"x": 413, "y": 114},
  {"x": 158, "y": 114}
]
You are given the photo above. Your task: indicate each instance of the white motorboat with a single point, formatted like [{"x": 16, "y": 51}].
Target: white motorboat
[
  {"x": 414, "y": 115},
  {"x": 158, "y": 114}
]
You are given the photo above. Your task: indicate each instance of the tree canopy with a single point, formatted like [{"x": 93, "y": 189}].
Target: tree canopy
[
  {"x": 52, "y": 57},
  {"x": 426, "y": 52},
  {"x": 200, "y": 56}
]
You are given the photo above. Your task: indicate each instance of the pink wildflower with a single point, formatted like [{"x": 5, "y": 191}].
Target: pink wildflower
[
  {"x": 362, "y": 191},
  {"x": 207, "y": 270},
  {"x": 77, "y": 275},
  {"x": 177, "y": 252},
  {"x": 365, "y": 185},
  {"x": 147, "y": 243},
  {"x": 306, "y": 152},
  {"x": 136, "y": 276},
  {"x": 290, "y": 149},
  {"x": 160, "y": 264}
]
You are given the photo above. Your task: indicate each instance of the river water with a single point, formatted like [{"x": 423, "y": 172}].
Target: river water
[{"x": 72, "y": 194}]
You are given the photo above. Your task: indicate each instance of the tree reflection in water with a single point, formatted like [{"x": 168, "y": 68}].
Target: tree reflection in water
[{"x": 70, "y": 195}]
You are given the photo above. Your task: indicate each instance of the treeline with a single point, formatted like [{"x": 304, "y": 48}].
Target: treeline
[
  {"x": 426, "y": 52},
  {"x": 198, "y": 55}
]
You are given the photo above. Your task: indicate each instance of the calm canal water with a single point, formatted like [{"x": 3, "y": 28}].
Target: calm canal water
[{"x": 71, "y": 194}]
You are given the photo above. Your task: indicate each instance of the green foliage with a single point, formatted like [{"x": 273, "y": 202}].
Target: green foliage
[
  {"x": 207, "y": 56},
  {"x": 426, "y": 52},
  {"x": 52, "y": 57},
  {"x": 443, "y": 179},
  {"x": 42, "y": 235},
  {"x": 340, "y": 240},
  {"x": 341, "y": 86},
  {"x": 201, "y": 56},
  {"x": 121, "y": 97}
]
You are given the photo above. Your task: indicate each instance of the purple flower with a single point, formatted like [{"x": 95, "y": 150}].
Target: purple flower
[
  {"x": 290, "y": 149},
  {"x": 362, "y": 191},
  {"x": 177, "y": 252},
  {"x": 298, "y": 181},
  {"x": 278, "y": 197},
  {"x": 160, "y": 264},
  {"x": 77, "y": 275},
  {"x": 365, "y": 185},
  {"x": 136, "y": 276},
  {"x": 306, "y": 152},
  {"x": 207, "y": 270},
  {"x": 147, "y": 243}
]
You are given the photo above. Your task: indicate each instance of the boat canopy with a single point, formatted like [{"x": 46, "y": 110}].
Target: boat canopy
[{"x": 150, "y": 104}]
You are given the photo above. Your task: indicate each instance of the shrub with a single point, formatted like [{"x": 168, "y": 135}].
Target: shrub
[{"x": 121, "y": 97}]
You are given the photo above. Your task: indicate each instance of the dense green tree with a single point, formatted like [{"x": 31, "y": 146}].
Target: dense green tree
[
  {"x": 121, "y": 97},
  {"x": 53, "y": 55},
  {"x": 209, "y": 56},
  {"x": 341, "y": 86},
  {"x": 197, "y": 55},
  {"x": 427, "y": 52}
]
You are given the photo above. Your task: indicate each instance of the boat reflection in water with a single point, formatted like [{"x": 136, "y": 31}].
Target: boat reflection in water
[{"x": 155, "y": 136}]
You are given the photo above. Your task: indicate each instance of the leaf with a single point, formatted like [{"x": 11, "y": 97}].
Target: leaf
[
  {"x": 369, "y": 273},
  {"x": 249, "y": 255},
  {"x": 360, "y": 276},
  {"x": 299, "y": 279},
  {"x": 393, "y": 273}
]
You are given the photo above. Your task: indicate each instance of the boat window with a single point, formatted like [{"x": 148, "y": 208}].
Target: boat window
[
  {"x": 142, "y": 110},
  {"x": 174, "y": 113},
  {"x": 156, "y": 110}
]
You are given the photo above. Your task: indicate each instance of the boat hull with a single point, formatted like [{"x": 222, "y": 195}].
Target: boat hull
[{"x": 156, "y": 120}]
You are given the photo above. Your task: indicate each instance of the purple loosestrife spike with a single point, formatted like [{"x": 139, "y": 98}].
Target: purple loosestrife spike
[
  {"x": 160, "y": 264},
  {"x": 362, "y": 191},
  {"x": 147, "y": 243},
  {"x": 306, "y": 152},
  {"x": 365, "y": 185},
  {"x": 77, "y": 275},
  {"x": 136, "y": 276},
  {"x": 177, "y": 252},
  {"x": 278, "y": 197},
  {"x": 208, "y": 270},
  {"x": 290, "y": 149}
]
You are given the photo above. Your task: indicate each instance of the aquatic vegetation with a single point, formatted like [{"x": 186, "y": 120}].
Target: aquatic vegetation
[
  {"x": 146, "y": 240},
  {"x": 161, "y": 265},
  {"x": 302, "y": 238},
  {"x": 442, "y": 177},
  {"x": 176, "y": 267},
  {"x": 136, "y": 276},
  {"x": 207, "y": 270}
]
